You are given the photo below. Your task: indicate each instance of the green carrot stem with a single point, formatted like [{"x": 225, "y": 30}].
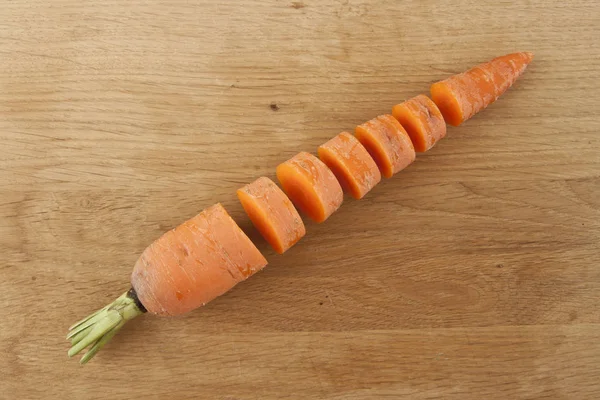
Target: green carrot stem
[{"x": 98, "y": 328}]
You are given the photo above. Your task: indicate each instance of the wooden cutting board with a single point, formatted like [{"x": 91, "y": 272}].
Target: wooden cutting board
[{"x": 473, "y": 274}]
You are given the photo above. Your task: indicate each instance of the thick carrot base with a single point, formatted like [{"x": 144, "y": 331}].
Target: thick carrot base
[{"x": 194, "y": 263}]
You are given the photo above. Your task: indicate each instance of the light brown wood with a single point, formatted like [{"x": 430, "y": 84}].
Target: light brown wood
[{"x": 473, "y": 274}]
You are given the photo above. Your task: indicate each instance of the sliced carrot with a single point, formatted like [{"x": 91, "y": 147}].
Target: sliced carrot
[
  {"x": 422, "y": 120},
  {"x": 209, "y": 254},
  {"x": 192, "y": 264},
  {"x": 388, "y": 143},
  {"x": 272, "y": 213},
  {"x": 351, "y": 164},
  {"x": 462, "y": 96},
  {"x": 312, "y": 186}
]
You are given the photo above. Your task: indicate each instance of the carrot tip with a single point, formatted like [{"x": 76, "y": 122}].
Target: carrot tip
[{"x": 529, "y": 55}]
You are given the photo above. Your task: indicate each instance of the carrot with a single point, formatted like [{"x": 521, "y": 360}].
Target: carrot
[
  {"x": 184, "y": 269},
  {"x": 351, "y": 164},
  {"x": 273, "y": 214},
  {"x": 422, "y": 120},
  {"x": 209, "y": 254},
  {"x": 312, "y": 186},
  {"x": 388, "y": 143},
  {"x": 462, "y": 96}
]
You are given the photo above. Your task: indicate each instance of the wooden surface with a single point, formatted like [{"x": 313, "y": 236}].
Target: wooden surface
[{"x": 473, "y": 274}]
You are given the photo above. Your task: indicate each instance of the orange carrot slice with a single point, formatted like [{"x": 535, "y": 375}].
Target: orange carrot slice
[
  {"x": 351, "y": 164},
  {"x": 388, "y": 143},
  {"x": 312, "y": 186},
  {"x": 192, "y": 264},
  {"x": 422, "y": 120},
  {"x": 272, "y": 213},
  {"x": 462, "y": 96}
]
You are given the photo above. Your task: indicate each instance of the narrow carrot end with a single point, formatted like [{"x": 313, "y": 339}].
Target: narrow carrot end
[{"x": 529, "y": 56}]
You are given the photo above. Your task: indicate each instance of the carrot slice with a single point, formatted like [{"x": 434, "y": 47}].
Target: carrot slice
[
  {"x": 192, "y": 264},
  {"x": 462, "y": 96},
  {"x": 388, "y": 143},
  {"x": 351, "y": 164},
  {"x": 422, "y": 120},
  {"x": 312, "y": 186},
  {"x": 272, "y": 213}
]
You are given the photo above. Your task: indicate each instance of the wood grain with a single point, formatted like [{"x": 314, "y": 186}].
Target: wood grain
[{"x": 473, "y": 274}]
